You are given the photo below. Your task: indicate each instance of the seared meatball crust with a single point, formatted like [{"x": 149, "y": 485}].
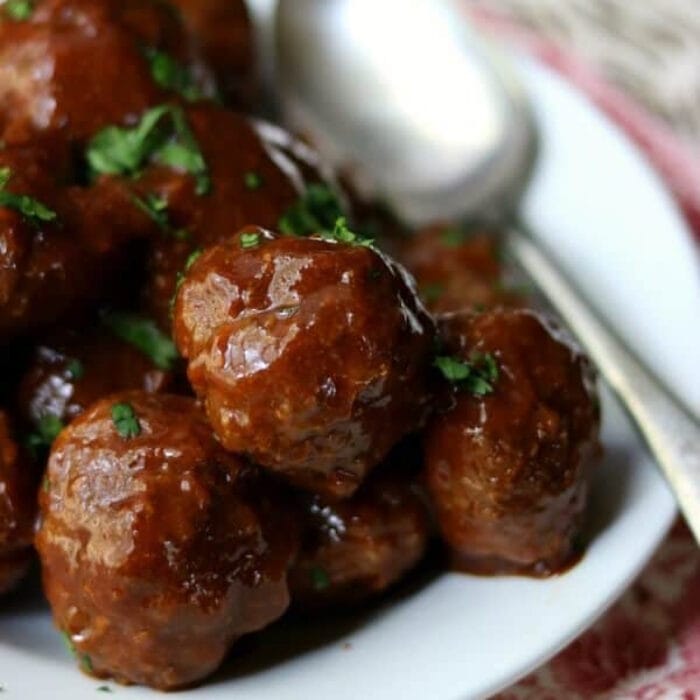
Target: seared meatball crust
[
  {"x": 311, "y": 356},
  {"x": 17, "y": 509},
  {"x": 457, "y": 270},
  {"x": 71, "y": 370},
  {"x": 356, "y": 549},
  {"x": 157, "y": 552},
  {"x": 507, "y": 472}
]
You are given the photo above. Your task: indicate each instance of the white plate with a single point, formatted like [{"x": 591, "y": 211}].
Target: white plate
[{"x": 597, "y": 202}]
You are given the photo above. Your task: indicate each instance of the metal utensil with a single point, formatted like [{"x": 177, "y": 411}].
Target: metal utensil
[{"x": 371, "y": 81}]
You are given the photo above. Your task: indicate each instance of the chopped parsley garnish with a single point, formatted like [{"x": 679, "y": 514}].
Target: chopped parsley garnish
[
  {"x": 145, "y": 336},
  {"x": 156, "y": 208},
  {"x": 343, "y": 234},
  {"x": 319, "y": 578},
  {"x": 522, "y": 289},
  {"x": 19, "y": 10},
  {"x": 432, "y": 292},
  {"x": 316, "y": 211},
  {"x": 453, "y": 237},
  {"x": 76, "y": 369},
  {"x": 30, "y": 208},
  {"x": 253, "y": 180},
  {"x": 478, "y": 375},
  {"x": 172, "y": 75},
  {"x": 162, "y": 136},
  {"x": 104, "y": 689},
  {"x": 47, "y": 430},
  {"x": 125, "y": 420},
  {"x": 250, "y": 240},
  {"x": 84, "y": 659},
  {"x": 191, "y": 260}
]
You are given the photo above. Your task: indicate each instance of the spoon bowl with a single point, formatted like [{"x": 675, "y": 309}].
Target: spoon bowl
[{"x": 426, "y": 115}]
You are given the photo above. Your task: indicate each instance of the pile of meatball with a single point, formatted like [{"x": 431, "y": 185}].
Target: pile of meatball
[{"x": 230, "y": 387}]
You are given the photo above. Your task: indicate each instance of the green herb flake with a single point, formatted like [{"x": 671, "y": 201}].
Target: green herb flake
[
  {"x": 19, "y": 10},
  {"x": 320, "y": 580},
  {"x": 104, "y": 689},
  {"x": 47, "y": 430},
  {"x": 145, "y": 336},
  {"x": 453, "y": 237},
  {"x": 316, "y": 211},
  {"x": 253, "y": 180},
  {"x": 162, "y": 136},
  {"x": 68, "y": 642},
  {"x": 86, "y": 663},
  {"x": 432, "y": 292},
  {"x": 478, "y": 375},
  {"x": 156, "y": 208},
  {"x": 250, "y": 240},
  {"x": 83, "y": 659},
  {"x": 28, "y": 207},
  {"x": 75, "y": 369},
  {"x": 342, "y": 234},
  {"x": 125, "y": 420},
  {"x": 46, "y": 485},
  {"x": 521, "y": 289},
  {"x": 172, "y": 75},
  {"x": 191, "y": 260}
]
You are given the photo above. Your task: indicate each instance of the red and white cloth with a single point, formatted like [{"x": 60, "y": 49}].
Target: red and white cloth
[{"x": 647, "y": 646}]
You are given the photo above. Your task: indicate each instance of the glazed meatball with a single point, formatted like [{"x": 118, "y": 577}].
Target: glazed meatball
[
  {"x": 311, "y": 356},
  {"x": 17, "y": 510},
  {"x": 70, "y": 371},
  {"x": 157, "y": 552},
  {"x": 507, "y": 465},
  {"x": 73, "y": 67},
  {"x": 456, "y": 270},
  {"x": 357, "y": 548},
  {"x": 225, "y": 34},
  {"x": 61, "y": 247},
  {"x": 266, "y": 175}
]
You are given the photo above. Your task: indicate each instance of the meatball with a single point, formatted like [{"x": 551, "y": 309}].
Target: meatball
[
  {"x": 311, "y": 356},
  {"x": 225, "y": 34},
  {"x": 75, "y": 66},
  {"x": 71, "y": 370},
  {"x": 507, "y": 464},
  {"x": 456, "y": 270},
  {"x": 17, "y": 510},
  {"x": 60, "y": 246},
  {"x": 267, "y": 176},
  {"x": 157, "y": 550},
  {"x": 358, "y": 548}
]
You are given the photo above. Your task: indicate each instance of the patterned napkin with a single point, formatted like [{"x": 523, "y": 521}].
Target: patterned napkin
[{"x": 639, "y": 60}]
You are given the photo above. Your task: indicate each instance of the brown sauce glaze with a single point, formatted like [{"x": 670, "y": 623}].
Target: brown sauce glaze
[
  {"x": 224, "y": 33},
  {"x": 69, "y": 259},
  {"x": 507, "y": 472},
  {"x": 355, "y": 549},
  {"x": 156, "y": 555},
  {"x": 72, "y": 370},
  {"x": 311, "y": 356},
  {"x": 456, "y": 270},
  {"x": 17, "y": 509},
  {"x": 235, "y": 149}
]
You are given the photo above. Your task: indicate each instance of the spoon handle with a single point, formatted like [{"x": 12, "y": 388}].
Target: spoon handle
[{"x": 671, "y": 433}]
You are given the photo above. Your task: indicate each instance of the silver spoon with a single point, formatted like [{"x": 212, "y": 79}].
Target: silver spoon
[{"x": 370, "y": 80}]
